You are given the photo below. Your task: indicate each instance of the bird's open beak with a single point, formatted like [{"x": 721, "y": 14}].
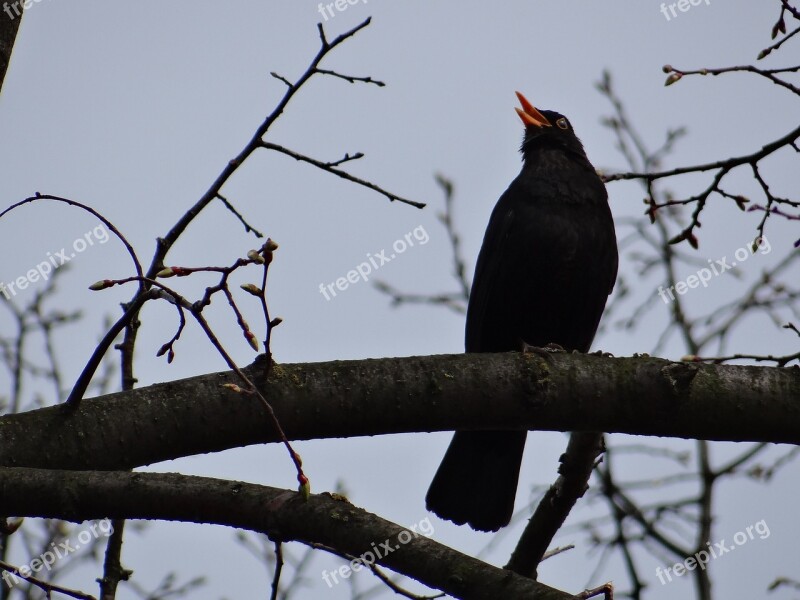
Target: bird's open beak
[{"x": 529, "y": 115}]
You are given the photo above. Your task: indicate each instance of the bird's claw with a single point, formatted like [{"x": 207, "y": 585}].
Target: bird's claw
[{"x": 544, "y": 352}]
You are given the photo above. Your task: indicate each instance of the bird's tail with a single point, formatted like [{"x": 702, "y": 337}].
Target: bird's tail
[{"x": 477, "y": 480}]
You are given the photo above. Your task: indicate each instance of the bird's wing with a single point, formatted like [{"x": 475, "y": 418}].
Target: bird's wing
[
  {"x": 486, "y": 270},
  {"x": 615, "y": 260}
]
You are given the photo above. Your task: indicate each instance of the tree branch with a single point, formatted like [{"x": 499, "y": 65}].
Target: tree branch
[
  {"x": 8, "y": 35},
  {"x": 281, "y": 514},
  {"x": 564, "y": 392},
  {"x": 576, "y": 468}
]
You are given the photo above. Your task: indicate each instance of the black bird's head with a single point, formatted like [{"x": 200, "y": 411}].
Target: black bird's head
[{"x": 546, "y": 128}]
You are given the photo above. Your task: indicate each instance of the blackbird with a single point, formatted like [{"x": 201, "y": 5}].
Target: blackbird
[{"x": 545, "y": 270}]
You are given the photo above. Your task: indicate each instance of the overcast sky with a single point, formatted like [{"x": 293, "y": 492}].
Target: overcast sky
[{"x": 135, "y": 107}]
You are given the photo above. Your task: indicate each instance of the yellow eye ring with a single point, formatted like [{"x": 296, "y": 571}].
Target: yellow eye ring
[{"x": 562, "y": 123}]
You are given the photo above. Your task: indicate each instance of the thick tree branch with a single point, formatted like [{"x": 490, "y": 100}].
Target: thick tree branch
[
  {"x": 565, "y": 392},
  {"x": 9, "y": 26},
  {"x": 281, "y": 514}
]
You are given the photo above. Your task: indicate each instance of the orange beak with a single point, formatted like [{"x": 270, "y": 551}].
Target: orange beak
[{"x": 529, "y": 115}]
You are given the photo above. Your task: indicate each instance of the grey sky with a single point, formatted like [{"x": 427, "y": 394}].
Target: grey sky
[{"x": 135, "y": 107}]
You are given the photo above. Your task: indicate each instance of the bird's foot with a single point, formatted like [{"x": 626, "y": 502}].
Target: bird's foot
[
  {"x": 544, "y": 352},
  {"x": 601, "y": 353}
]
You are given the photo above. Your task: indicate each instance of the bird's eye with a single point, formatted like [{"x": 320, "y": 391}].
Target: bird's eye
[{"x": 562, "y": 123}]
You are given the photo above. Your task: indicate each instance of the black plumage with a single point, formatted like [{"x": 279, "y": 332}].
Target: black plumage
[{"x": 545, "y": 270}]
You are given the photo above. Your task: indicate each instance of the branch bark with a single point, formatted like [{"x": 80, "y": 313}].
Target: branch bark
[
  {"x": 281, "y": 514},
  {"x": 576, "y": 468},
  {"x": 9, "y": 26},
  {"x": 564, "y": 392}
]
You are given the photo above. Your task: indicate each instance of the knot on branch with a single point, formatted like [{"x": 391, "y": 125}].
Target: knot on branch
[{"x": 679, "y": 376}]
